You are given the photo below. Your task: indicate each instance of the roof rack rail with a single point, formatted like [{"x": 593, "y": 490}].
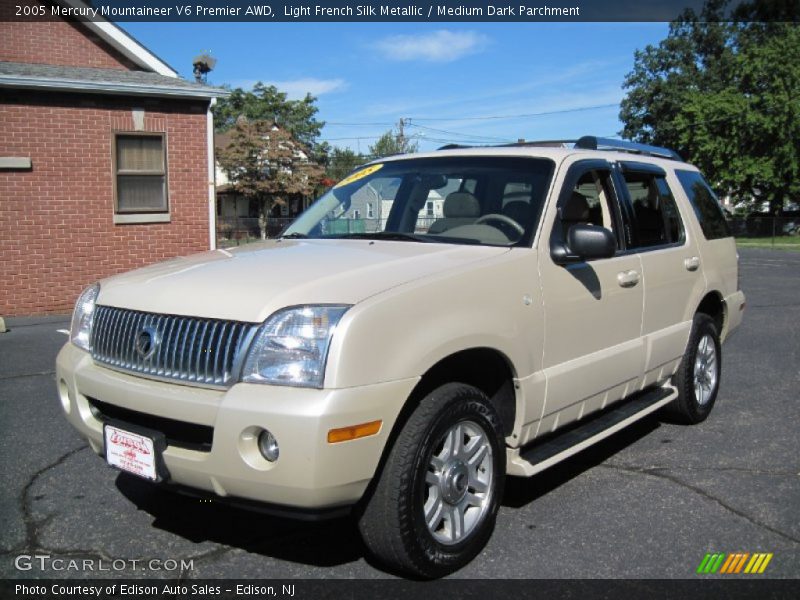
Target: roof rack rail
[
  {"x": 539, "y": 143},
  {"x": 590, "y": 142},
  {"x": 587, "y": 142}
]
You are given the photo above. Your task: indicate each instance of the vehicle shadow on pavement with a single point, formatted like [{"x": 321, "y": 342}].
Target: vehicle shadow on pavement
[
  {"x": 332, "y": 542},
  {"x": 523, "y": 490},
  {"x": 324, "y": 543}
]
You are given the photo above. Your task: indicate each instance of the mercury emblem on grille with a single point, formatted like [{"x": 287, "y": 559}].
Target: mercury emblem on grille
[{"x": 147, "y": 342}]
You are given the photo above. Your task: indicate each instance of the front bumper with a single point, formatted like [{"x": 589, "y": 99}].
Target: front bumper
[{"x": 309, "y": 474}]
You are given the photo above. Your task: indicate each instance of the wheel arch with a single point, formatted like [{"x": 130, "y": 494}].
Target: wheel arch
[
  {"x": 713, "y": 305},
  {"x": 487, "y": 369}
]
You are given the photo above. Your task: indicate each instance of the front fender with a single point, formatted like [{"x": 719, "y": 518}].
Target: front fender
[{"x": 403, "y": 332}]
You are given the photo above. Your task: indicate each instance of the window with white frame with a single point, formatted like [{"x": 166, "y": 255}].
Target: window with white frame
[{"x": 140, "y": 173}]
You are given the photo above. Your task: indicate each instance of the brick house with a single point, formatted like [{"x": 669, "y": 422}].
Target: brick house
[{"x": 106, "y": 161}]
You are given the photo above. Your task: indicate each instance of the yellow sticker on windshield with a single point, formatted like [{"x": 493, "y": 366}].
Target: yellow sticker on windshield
[{"x": 359, "y": 175}]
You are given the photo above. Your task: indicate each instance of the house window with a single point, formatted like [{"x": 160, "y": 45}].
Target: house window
[
  {"x": 370, "y": 211},
  {"x": 429, "y": 209},
  {"x": 356, "y": 214},
  {"x": 140, "y": 172}
]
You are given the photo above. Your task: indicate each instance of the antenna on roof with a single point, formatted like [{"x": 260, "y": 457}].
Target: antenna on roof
[{"x": 203, "y": 64}]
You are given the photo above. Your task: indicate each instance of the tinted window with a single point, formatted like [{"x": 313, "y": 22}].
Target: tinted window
[
  {"x": 706, "y": 206},
  {"x": 672, "y": 217},
  {"x": 656, "y": 220}
]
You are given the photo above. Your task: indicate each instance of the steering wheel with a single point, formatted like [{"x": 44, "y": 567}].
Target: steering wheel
[{"x": 503, "y": 219}]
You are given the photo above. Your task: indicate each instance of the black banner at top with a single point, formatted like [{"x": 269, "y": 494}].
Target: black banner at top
[{"x": 383, "y": 10}]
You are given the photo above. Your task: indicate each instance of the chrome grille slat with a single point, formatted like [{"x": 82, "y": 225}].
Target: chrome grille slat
[
  {"x": 220, "y": 357},
  {"x": 159, "y": 327},
  {"x": 116, "y": 321},
  {"x": 209, "y": 346},
  {"x": 199, "y": 348},
  {"x": 228, "y": 354},
  {"x": 191, "y": 350},
  {"x": 175, "y": 342},
  {"x": 163, "y": 350},
  {"x": 124, "y": 319}
]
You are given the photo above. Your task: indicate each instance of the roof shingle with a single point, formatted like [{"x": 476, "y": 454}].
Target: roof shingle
[{"x": 116, "y": 81}]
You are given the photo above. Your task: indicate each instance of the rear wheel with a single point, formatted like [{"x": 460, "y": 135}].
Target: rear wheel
[
  {"x": 435, "y": 503},
  {"x": 698, "y": 375}
]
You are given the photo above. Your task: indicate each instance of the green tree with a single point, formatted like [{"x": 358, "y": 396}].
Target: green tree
[
  {"x": 391, "y": 143},
  {"x": 265, "y": 163},
  {"x": 266, "y": 102},
  {"x": 726, "y": 95},
  {"x": 342, "y": 161}
]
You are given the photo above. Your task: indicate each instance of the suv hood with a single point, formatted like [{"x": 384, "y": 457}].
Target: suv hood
[{"x": 251, "y": 282}]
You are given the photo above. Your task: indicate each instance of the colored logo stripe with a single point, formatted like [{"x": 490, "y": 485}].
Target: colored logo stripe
[{"x": 733, "y": 563}]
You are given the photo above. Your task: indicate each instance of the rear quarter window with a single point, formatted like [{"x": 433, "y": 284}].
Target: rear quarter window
[{"x": 705, "y": 204}]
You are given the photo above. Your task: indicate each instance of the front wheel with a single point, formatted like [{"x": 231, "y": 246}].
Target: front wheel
[
  {"x": 435, "y": 502},
  {"x": 698, "y": 375}
]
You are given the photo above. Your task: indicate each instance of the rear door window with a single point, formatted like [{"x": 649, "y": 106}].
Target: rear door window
[
  {"x": 705, "y": 204},
  {"x": 655, "y": 217}
]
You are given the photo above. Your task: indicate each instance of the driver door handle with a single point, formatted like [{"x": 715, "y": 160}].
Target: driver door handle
[
  {"x": 628, "y": 279},
  {"x": 692, "y": 264}
]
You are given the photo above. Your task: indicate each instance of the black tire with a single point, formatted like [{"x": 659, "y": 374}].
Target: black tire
[
  {"x": 688, "y": 407},
  {"x": 393, "y": 524}
]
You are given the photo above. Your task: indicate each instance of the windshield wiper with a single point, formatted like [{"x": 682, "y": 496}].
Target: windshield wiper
[{"x": 385, "y": 235}]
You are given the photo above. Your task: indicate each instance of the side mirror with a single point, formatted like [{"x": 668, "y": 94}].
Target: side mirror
[{"x": 585, "y": 242}]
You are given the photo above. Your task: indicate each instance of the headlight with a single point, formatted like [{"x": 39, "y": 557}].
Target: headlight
[
  {"x": 291, "y": 347},
  {"x": 83, "y": 317}
]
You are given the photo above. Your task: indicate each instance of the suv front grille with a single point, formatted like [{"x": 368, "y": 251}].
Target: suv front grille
[{"x": 186, "y": 349}]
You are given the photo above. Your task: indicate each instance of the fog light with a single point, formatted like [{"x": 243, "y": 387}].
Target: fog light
[{"x": 268, "y": 446}]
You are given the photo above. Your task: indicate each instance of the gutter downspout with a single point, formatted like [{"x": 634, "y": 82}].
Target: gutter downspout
[{"x": 212, "y": 178}]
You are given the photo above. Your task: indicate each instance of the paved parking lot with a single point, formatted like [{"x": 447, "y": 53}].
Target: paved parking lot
[{"x": 647, "y": 503}]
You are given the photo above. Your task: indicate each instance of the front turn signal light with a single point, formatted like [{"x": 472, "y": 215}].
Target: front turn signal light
[{"x": 353, "y": 432}]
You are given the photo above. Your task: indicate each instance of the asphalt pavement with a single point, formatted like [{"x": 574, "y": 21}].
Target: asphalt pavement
[{"x": 649, "y": 502}]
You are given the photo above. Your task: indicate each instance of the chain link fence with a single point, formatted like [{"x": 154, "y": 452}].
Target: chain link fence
[
  {"x": 761, "y": 225},
  {"x": 235, "y": 231}
]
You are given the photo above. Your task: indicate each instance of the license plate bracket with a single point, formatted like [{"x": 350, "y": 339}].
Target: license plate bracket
[{"x": 135, "y": 450}]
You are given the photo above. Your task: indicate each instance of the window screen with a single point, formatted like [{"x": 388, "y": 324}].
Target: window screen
[{"x": 141, "y": 177}]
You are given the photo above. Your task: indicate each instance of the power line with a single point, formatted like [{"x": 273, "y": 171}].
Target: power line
[
  {"x": 519, "y": 116},
  {"x": 375, "y": 124},
  {"x": 363, "y": 137},
  {"x": 468, "y": 135},
  {"x": 473, "y": 118}
]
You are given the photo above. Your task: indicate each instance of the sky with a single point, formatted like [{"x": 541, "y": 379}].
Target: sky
[{"x": 473, "y": 83}]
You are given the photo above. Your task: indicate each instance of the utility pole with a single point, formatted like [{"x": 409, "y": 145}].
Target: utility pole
[{"x": 401, "y": 138}]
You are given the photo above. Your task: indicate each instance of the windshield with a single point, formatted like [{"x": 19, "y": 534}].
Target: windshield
[{"x": 494, "y": 201}]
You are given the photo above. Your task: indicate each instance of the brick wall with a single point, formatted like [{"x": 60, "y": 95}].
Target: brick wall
[
  {"x": 56, "y": 42},
  {"x": 56, "y": 221}
]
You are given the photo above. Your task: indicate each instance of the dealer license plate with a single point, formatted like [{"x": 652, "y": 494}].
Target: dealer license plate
[{"x": 131, "y": 452}]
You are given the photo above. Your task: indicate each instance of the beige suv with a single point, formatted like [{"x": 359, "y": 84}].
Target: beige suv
[{"x": 430, "y": 325}]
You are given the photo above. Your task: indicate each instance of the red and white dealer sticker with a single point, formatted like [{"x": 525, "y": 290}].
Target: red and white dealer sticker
[{"x": 131, "y": 452}]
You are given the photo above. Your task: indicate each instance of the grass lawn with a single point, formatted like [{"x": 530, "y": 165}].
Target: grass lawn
[{"x": 784, "y": 242}]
